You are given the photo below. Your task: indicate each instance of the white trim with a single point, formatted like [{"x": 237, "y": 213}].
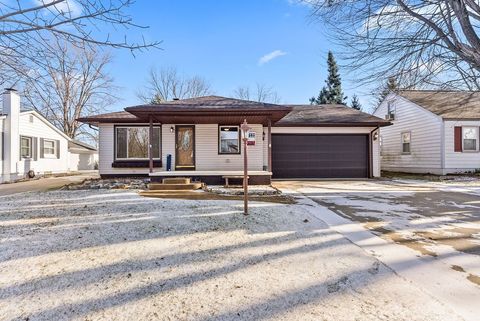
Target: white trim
[
  {"x": 239, "y": 144},
  {"x": 476, "y": 139},
  {"x": 391, "y": 108},
  {"x": 30, "y": 147},
  {"x": 49, "y": 155},
  {"x": 409, "y": 132},
  {"x": 442, "y": 145}
]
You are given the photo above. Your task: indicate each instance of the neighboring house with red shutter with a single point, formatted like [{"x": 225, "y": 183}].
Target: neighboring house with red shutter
[
  {"x": 433, "y": 131},
  {"x": 31, "y": 145}
]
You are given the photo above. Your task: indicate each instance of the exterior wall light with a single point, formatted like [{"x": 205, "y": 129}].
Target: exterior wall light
[{"x": 172, "y": 129}]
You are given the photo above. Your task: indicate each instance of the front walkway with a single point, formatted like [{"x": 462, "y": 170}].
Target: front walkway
[
  {"x": 45, "y": 184},
  {"x": 114, "y": 255}
]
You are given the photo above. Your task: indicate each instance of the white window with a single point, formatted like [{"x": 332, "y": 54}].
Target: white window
[
  {"x": 470, "y": 138},
  {"x": 391, "y": 109},
  {"x": 48, "y": 147},
  {"x": 406, "y": 137},
  {"x": 132, "y": 142},
  {"x": 25, "y": 147},
  {"x": 229, "y": 140}
]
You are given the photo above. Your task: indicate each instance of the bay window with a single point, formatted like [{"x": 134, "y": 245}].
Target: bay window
[{"x": 131, "y": 142}]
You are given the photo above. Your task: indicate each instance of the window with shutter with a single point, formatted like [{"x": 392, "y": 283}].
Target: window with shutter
[
  {"x": 470, "y": 139},
  {"x": 25, "y": 147}
]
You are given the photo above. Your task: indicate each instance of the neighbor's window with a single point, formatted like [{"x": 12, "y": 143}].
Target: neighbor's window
[
  {"x": 390, "y": 108},
  {"x": 470, "y": 138},
  {"x": 229, "y": 140},
  {"x": 48, "y": 147},
  {"x": 132, "y": 142},
  {"x": 406, "y": 142},
  {"x": 26, "y": 147}
]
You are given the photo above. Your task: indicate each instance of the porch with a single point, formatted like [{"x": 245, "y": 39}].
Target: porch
[{"x": 214, "y": 177}]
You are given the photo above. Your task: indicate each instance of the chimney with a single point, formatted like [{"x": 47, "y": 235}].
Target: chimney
[{"x": 11, "y": 134}]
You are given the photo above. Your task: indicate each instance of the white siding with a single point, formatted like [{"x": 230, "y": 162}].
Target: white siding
[
  {"x": 2, "y": 151},
  {"x": 80, "y": 161},
  {"x": 206, "y": 151},
  {"x": 206, "y": 148},
  {"x": 40, "y": 129},
  {"x": 207, "y": 157},
  {"x": 426, "y": 138},
  {"x": 337, "y": 130},
  {"x": 456, "y": 161}
]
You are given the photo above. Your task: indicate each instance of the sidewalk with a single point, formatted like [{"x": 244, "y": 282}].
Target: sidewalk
[{"x": 45, "y": 184}]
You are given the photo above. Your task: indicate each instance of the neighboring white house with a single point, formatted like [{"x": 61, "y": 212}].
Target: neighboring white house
[
  {"x": 201, "y": 138},
  {"x": 433, "y": 132},
  {"x": 31, "y": 145},
  {"x": 82, "y": 156}
]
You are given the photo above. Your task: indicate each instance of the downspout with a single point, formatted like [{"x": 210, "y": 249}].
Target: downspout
[
  {"x": 442, "y": 146},
  {"x": 370, "y": 152}
]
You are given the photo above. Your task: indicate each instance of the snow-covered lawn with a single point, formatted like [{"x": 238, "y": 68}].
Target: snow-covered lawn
[{"x": 114, "y": 255}]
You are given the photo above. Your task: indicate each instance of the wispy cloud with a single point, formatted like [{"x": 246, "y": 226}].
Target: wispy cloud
[
  {"x": 68, "y": 7},
  {"x": 270, "y": 56},
  {"x": 300, "y": 2}
]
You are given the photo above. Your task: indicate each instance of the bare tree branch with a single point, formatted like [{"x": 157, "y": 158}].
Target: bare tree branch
[
  {"x": 261, "y": 92},
  {"x": 76, "y": 84},
  {"x": 419, "y": 43},
  {"x": 29, "y": 31},
  {"x": 166, "y": 84}
]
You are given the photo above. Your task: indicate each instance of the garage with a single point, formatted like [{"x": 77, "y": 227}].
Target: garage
[{"x": 320, "y": 155}]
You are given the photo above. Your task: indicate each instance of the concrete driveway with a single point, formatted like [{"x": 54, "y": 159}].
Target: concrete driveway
[
  {"x": 427, "y": 232},
  {"x": 438, "y": 222}
]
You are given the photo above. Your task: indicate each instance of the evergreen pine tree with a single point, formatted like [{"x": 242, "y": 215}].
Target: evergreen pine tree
[
  {"x": 332, "y": 93},
  {"x": 334, "y": 82},
  {"x": 389, "y": 86},
  {"x": 355, "y": 104}
]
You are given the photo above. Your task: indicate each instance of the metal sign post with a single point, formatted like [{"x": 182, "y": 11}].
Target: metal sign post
[{"x": 245, "y": 128}]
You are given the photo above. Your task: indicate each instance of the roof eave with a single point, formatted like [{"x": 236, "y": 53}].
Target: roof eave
[
  {"x": 460, "y": 118},
  {"x": 365, "y": 124}
]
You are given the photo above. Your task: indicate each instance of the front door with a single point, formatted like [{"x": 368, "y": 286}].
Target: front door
[{"x": 185, "y": 147}]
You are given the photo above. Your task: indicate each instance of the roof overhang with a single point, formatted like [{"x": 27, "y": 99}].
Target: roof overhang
[
  {"x": 227, "y": 116},
  {"x": 332, "y": 124}
]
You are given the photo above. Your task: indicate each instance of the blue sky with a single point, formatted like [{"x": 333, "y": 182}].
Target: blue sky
[{"x": 224, "y": 42}]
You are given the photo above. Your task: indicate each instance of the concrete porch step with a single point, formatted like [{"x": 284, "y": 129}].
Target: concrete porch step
[
  {"x": 174, "y": 187},
  {"x": 176, "y": 180}
]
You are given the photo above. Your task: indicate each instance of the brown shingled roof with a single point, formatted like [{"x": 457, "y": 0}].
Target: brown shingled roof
[
  {"x": 118, "y": 116},
  {"x": 329, "y": 115},
  {"x": 206, "y": 103},
  {"x": 446, "y": 104},
  {"x": 229, "y": 109}
]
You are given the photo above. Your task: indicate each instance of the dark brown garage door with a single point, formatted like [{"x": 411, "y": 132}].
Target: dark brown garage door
[{"x": 319, "y": 156}]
